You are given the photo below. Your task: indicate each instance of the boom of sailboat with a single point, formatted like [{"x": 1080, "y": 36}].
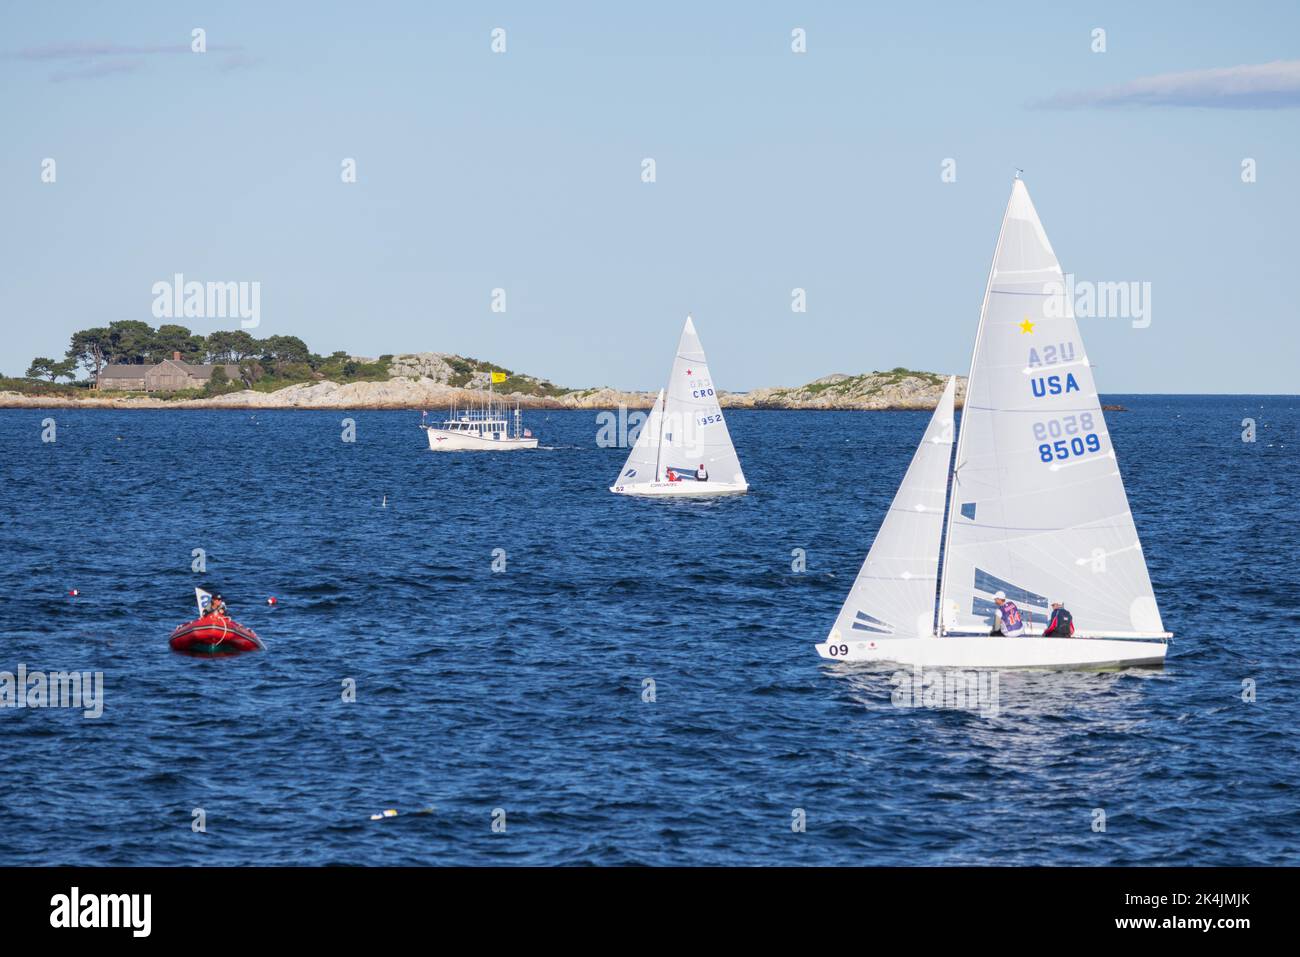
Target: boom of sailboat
[{"x": 1035, "y": 505}]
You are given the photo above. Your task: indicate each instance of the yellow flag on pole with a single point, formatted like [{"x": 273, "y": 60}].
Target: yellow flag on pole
[{"x": 498, "y": 377}]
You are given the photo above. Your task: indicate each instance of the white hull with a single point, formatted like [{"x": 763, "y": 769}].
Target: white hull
[
  {"x": 441, "y": 440},
  {"x": 686, "y": 488},
  {"x": 985, "y": 651}
]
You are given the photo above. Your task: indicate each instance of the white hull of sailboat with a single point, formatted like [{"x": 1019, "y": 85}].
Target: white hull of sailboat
[
  {"x": 686, "y": 488},
  {"x": 997, "y": 651},
  {"x": 441, "y": 440}
]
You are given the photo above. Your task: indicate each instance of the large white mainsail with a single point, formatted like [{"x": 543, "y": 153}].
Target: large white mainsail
[
  {"x": 692, "y": 452},
  {"x": 694, "y": 430},
  {"x": 893, "y": 595},
  {"x": 1038, "y": 508}
]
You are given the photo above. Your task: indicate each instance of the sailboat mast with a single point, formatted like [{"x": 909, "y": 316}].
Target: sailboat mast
[
  {"x": 959, "y": 459},
  {"x": 659, "y": 448}
]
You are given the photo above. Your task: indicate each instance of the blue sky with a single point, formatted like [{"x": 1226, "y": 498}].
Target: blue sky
[{"x": 774, "y": 170}]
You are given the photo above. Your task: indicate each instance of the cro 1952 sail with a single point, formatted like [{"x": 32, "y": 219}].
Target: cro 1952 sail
[{"x": 684, "y": 448}]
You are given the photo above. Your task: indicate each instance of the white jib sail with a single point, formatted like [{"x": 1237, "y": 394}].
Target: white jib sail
[
  {"x": 643, "y": 458},
  {"x": 694, "y": 432},
  {"x": 893, "y": 595},
  {"x": 1038, "y": 508}
]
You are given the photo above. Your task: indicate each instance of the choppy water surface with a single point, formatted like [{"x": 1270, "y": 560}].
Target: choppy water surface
[{"x": 523, "y": 689}]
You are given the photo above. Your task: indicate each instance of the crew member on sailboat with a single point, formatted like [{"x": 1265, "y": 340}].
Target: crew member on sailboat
[
  {"x": 1007, "y": 620},
  {"x": 1061, "y": 624}
]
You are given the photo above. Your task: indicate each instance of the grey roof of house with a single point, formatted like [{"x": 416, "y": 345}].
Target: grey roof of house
[{"x": 119, "y": 370}]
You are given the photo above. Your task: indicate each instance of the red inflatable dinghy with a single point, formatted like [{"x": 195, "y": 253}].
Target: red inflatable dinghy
[{"x": 214, "y": 635}]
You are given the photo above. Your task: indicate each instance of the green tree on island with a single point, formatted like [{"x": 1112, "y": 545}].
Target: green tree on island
[
  {"x": 131, "y": 341},
  {"x": 42, "y": 368},
  {"x": 90, "y": 348},
  {"x": 218, "y": 383},
  {"x": 274, "y": 361},
  {"x": 172, "y": 338},
  {"x": 235, "y": 345},
  {"x": 285, "y": 350}
]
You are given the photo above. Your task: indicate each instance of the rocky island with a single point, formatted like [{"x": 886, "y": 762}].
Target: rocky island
[{"x": 432, "y": 380}]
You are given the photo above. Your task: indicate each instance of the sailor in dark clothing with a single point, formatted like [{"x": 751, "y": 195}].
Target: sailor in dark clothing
[{"x": 1061, "y": 624}]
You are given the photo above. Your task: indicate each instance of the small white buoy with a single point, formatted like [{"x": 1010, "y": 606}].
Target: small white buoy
[{"x": 384, "y": 503}]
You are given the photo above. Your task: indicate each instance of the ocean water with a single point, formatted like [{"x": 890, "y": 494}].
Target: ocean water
[{"x": 516, "y": 696}]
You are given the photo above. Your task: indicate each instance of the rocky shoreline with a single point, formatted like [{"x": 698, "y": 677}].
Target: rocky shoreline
[
  {"x": 433, "y": 380},
  {"x": 873, "y": 392},
  {"x": 424, "y": 394}
]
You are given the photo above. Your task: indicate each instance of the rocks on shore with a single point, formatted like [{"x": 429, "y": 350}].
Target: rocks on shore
[
  {"x": 423, "y": 365},
  {"x": 899, "y": 389}
]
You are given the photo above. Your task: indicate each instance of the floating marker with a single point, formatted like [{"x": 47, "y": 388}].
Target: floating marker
[
  {"x": 273, "y": 600},
  {"x": 392, "y": 812},
  {"x": 74, "y": 593}
]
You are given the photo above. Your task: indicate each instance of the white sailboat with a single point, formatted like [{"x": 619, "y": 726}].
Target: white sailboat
[
  {"x": 684, "y": 448},
  {"x": 1036, "y": 507}
]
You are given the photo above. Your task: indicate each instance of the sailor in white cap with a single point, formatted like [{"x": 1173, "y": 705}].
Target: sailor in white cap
[{"x": 1007, "y": 620}]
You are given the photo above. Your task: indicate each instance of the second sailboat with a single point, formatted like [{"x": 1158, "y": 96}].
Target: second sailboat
[{"x": 684, "y": 448}]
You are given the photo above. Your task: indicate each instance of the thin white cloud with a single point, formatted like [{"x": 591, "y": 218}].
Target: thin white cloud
[
  {"x": 93, "y": 60},
  {"x": 1252, "y": 86},
  {"x": 87, "y": 51}
]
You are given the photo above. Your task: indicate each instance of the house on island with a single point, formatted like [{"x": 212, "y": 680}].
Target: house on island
[{"x": 166, "y": 376}]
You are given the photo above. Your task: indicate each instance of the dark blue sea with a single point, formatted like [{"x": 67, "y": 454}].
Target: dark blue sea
[{"x": 516, "y": 696}]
